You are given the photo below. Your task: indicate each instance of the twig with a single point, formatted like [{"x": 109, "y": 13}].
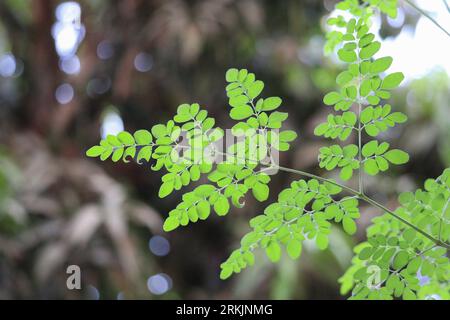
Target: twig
[{"x": 428, "y": 15}]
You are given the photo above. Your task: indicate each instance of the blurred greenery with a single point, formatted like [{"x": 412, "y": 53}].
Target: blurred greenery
[{"x": 138, "y": 61}]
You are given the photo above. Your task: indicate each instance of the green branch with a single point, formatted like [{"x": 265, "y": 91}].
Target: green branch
[
  {"x": 365, "y": 198},
  {"x": 424, "y": 13}
]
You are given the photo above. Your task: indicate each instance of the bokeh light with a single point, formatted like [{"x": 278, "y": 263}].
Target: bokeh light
[
  {"x": 64, "y": 93},
  {"x": 93, "y": 293},
  {"x": 159, "y": 246},
  {"x": 7, "y": 65},
  {"x": 112, "y": 124},
  {"x": 98, "y": 86},
  {"x": 71, "y": 65},
  {"x": 143, "y": 62},
  {"x": 159, "y": 283},
  {"x": 105, "y": 50},
  {"x": 68, "y": 32}
]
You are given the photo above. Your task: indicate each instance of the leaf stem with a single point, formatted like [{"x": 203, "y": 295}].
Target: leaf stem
[
  {"x": 365, "y": 198},
  {"x": 360, "y": 173},
  {"x": 425, "y": 14},
  {"x": 360, "y": 196},
  {"x": 313, "y": 176}
]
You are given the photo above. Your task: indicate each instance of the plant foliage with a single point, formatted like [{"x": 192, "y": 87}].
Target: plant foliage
[{"x": 405, "y": 254}]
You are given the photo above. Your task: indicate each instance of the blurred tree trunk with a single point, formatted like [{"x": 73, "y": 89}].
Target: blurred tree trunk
[{"x": 43, "y": 63}]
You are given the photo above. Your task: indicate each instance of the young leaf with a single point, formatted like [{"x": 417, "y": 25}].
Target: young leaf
[
  {"x": 171, "y": 223},
  {"x": 260, "y": 191},
  {"x": 349, "y": 225},
  {"x": 166, "y": 189},
  {"x": 232, "y": 75},
  {"x": 294, "y": 248},
  {"x": 271, "y": 103},
  {"x": 95, "y": 151},
  {"x": 221, "y": 206},
  {"x": 332, "y": 98},
  {"x": 397, "y": 156},
  {"x": 380, "y": 65},
  {"x": 255, "y": 89},
  {"x": 273, "y": 251},
  {"x": 142, "y": 137},
  {"x": 241, "y": 112},
  {"x": 392, "y": 81}
]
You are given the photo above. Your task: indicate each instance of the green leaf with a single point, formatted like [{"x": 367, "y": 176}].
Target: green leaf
[
  {"x": 287, "y": 136},
  {"x": 381, "y": 65},
  {"x": 367, "y": 115},
  {"x": 113, "y": 141},
  {"x": 369, "y": 148},
  {"x": 95, "y": 151},
  {"x": 159, "y": 130},
  {"x": 239, "y": 101},
  {"x": 203, "y": 209},
  {"x": 226, "y": 272},
  {"x": 396, "y": 156},
  {"x": 343, "y": 78},
  {"x": 171, "y": 223},
  {"x": 332, "y": 98},
  {"x": 273, "y": 251},
  {"x": 347, "y": 56},
  {"x": 349, "y": 225},
  {"x": 371, "y": 167},
  {"x": 294, "y": 248},
  {"x": 414, "y": 265},
  {"x": 271, "y": 103},
  {"x": 255, "y": 89},
  {"x": 232, "y": 75},
  {"x": 221, "y": 206},
  {"x": 126, "y": 138},
  {"x": 401, "y": 259},
  {"x": 144, "y": 153},
  {"x": 392, "y": 81},
  {"x": 349, "y": 118},
  {"x": 346, "y": 173},
  {"x": 397, "y": 117},
  {"x": 117, "y": 154},
  {"x": 321, "y": 129},
  {"x": 408, "y": 294},
  {"x": 322, "y": 241},
  {"x": 372, "y": 130},
  {"x": 130, "y": 152},
  {"x": 260, "y": 191},
  {"x": 368, "y": 51},
  {"x": 106, "y": 153},
  {"x": 143, "y": 137},
  {"x": 365, "y": 253},
  {"x": 166, "y": 189},
  {"x": 242, "y": 112}
]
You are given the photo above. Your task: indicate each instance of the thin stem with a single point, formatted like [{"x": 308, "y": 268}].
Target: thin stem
[
  {"x": 376, "y": 204},
  {"x": 424, "y": 13},
  {"x": 368, "y": 200},
  {"x": 446, "y": 5},
  {"x": 313, "y": 176},
  {"x": 358, "y": 194},
  {"x": 360, "y": 171},
  {"x": 442, "y": 217}
]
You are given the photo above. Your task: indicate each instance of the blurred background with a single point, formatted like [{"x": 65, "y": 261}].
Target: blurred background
[{"x": 72, "y": 72}]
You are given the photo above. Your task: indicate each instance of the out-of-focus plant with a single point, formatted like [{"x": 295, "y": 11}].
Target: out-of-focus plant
[{"x": 55, "y": 212}]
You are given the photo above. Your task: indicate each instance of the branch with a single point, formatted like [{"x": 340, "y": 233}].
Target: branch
[
  {"x": 447, "y": 5},
  {"x": 358, "y": 194},
  {"x": 365, "y": 198},
  {"x": 424, "y": 13}
]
